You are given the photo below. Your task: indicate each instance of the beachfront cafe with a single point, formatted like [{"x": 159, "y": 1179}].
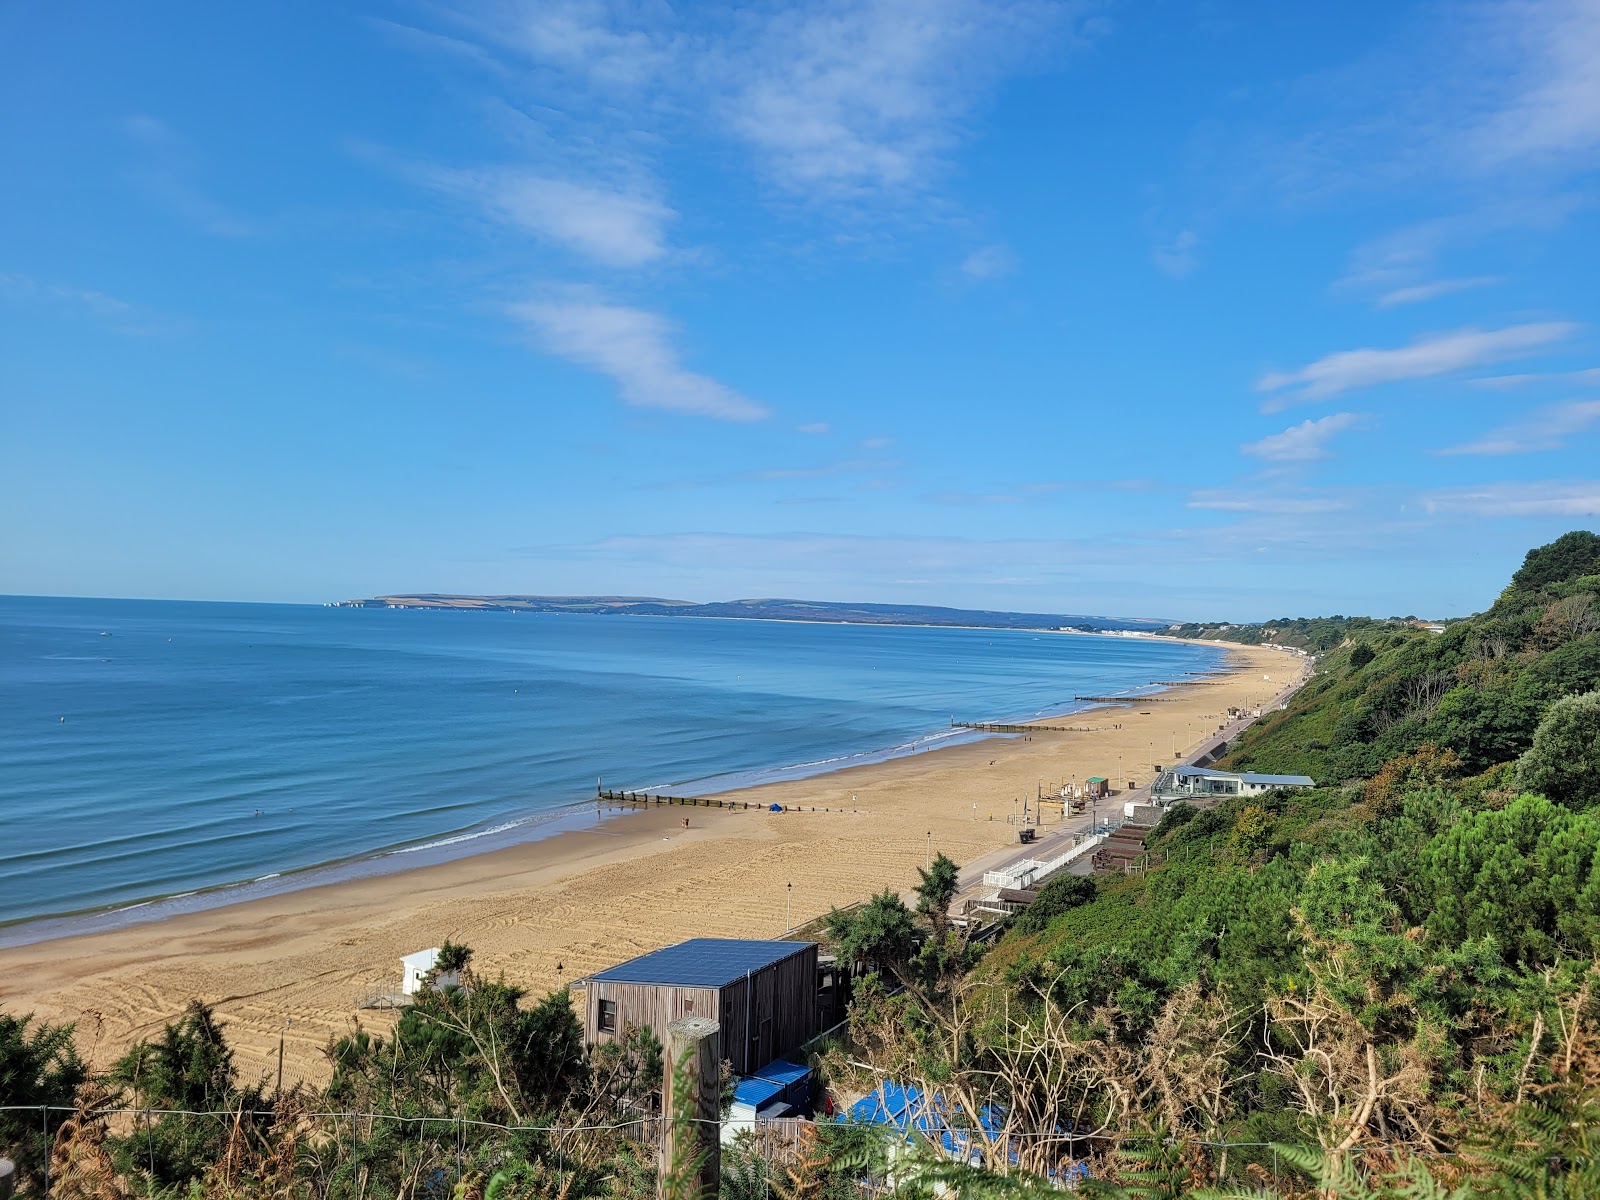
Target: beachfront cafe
[{"x": 1207, "y": 783}]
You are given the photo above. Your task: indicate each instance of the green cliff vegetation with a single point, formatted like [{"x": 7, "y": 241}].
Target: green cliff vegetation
[{"x": 1384, "y": 985}]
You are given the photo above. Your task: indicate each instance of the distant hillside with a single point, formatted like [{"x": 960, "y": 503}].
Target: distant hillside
[
  {"x": 761, "y": 610},
  {"x": 1312, "y": 634}
]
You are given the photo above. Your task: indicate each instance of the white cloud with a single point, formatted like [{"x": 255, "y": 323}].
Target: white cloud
[
  {"x": 1303, "y": 442},
  {"x": 615, "y": 228},
  {"x": 1503, "y": 382},
  {"x": 974, "y": 499},
  {"x": 1552, "y": 106},
  {"x": 844, "y": 97},
  {"x": 825, "y": 471},
  {"x": 1548, "y": 498},
  {"x": 1428, "y": 356},
  {"x": 814, "y": 428},
  {"x": 611, "y": 45},
  {"x": 877, "y": 443},
  {"x": 837, "y": 99},
  {"x": 1180, "y": 256},
  {"x": 1401, "y": 265},
  {"x": 989, "y": 262},
  {"x": 1546, "y": 429},
  {"x": 1245, "y": 501},
  {"x": 1432, "y": 290},
  {"x": 166, "y": 175},
  {"x": 121, "y": 315},
  {"x": 634, "y": 347}
]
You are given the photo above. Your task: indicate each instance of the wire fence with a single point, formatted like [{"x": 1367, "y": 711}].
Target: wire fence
[{"x": 340, "y": 1152}]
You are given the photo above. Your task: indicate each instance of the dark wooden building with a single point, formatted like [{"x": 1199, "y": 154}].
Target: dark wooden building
[{"x": 764, "y": 995}]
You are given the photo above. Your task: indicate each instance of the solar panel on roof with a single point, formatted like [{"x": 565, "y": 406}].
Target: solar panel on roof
[{"x": 701, "y": 962}]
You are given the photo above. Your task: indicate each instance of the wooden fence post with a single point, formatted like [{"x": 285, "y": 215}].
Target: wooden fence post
[{"x": 691, "y": 1140}]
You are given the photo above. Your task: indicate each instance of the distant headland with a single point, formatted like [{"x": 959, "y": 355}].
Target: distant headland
[{"x": 763, "y": 610}]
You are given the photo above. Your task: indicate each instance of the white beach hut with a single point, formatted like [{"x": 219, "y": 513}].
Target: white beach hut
[{"x": 415, "y": 968}]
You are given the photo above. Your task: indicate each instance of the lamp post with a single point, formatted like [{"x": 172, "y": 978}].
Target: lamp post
[
  {"x": 287, "y": 1021},
  {"x": 930, "y": 849},
  {"x": 788, "y": 906}
]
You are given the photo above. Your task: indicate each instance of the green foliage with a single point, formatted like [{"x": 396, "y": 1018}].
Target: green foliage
[
  {"x": 1316, "y": 634},
  {"x": 1252, "y": 831},
  {"x": 188, "y": 1069},
  {"x": 937, "y": 890},
  {"x": 1525, "y": 876},
  {"x": 881, "y": 932},
  {"x": 1055, "y": 898},
  {"x": 1571, "y": 555},
  {"x": 38, "y": 1066},
  {"x": 470, "y": 1051},
  {"x": 452, "y": 958},
  {"x": 1563, "y": 762},
  {"x": 746, "y": 1174}
]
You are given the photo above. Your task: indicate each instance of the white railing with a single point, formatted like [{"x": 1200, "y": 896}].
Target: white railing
[{"x": 1021, "y": 874}]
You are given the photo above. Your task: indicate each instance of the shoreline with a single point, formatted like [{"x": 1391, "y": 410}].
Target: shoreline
[
  {"x": 547, "y": 911},
  {"x": 532, "y": 828}
]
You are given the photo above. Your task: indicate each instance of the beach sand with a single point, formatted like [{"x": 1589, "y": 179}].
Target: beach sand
[{"x": 546, "y": 912}]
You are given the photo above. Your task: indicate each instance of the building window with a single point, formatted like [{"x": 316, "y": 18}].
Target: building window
[{"x": 608, "y": 1016}]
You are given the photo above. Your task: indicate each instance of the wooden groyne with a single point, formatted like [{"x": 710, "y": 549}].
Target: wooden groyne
[
  {"x": 646, "y": 799},
  {"x": 995, "y": 727},
  {"x": 1127, "y": 699}
]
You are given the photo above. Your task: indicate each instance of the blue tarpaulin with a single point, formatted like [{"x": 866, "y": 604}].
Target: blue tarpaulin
[{"x": 909, "y": 1110}]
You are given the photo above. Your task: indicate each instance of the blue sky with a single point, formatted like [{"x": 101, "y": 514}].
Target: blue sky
[{"x": 1185, "y": 309}]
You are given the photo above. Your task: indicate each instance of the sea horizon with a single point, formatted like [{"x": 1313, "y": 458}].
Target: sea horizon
[{"x": 304, "y": 743}]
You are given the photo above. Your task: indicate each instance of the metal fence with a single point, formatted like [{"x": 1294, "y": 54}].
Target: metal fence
[{"x": 434, "y": 1153}]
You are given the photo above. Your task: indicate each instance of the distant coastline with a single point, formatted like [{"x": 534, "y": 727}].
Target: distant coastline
[{"x": 813, "y": 611}]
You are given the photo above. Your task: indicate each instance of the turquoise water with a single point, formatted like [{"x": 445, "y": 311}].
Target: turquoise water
[{"x": 152, "y": 749}]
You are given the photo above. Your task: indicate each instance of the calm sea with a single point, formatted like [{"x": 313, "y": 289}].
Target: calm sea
[{"x": 152, "y": 752}]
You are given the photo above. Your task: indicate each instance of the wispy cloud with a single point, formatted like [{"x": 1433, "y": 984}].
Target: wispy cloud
[
  {"x": 1245, "y": 501},
  {"x": 1552, "y": 104},
  {"x": 1546, "y": 429},
  {"x": 855, "y": 466},
  {"x": 839, "y": 100},
  {"x": 1304, "y": 442},
  {"x": 121, "y": 315},
  {"x": 635, "y": 347},
  {"x": 848, "y": 97},
  {"x": 974, "y": 499},
  {"x": 1546, "y": 498},
  {"x": 813, "y": 428},
  {"x": 1402, "y": 266},
  {"x": 877, "y": 443},
  {"x": 1428, "y": 356},
  {"x": 607, "y": 225},
  {"x": 1432, "y": 290},
  {"x": 989, "y": 262},
  {"x": 167, "y": 176},
  {"x": 1179, "y": 256},
  {"x": 1505, "y": 382}
]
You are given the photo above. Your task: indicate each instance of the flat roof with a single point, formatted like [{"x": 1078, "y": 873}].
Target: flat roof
[
  {"x": 1245, "y": 776},
  {"x": 701, "y": 962},
  {"x": 770, "y": 1082}
]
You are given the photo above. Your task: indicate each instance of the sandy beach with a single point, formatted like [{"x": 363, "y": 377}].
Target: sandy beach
[{"x": 546, "y": 912}]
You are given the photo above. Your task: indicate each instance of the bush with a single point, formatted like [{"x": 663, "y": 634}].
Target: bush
[
  {"x": 1055, "y": 898},
  {"x": 1563, "y": 764}
]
